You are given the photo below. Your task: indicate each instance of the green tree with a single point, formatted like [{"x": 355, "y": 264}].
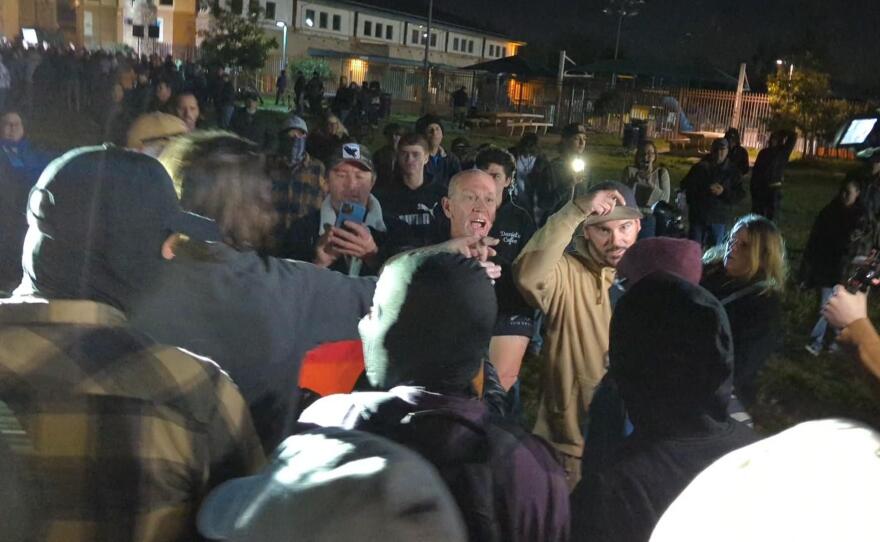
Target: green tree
[
  {"x": 801, "y": 99},
  {"x": 236, "y": 41}
]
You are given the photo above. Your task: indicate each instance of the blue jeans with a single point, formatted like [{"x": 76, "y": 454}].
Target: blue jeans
[
  {"x": 708, "y": 235},
  {"x": 820, "y": 330}
]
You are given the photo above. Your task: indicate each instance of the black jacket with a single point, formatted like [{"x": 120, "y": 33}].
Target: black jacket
[
  {"x": 756, "y": 322},
  {"x": 826, "y": 256},
  {"x": 677, "y": 404},
  {"x": 770, "y": 164},
  {"x": 705, "y": 207},
  {"x": 513, "y": 227},
  {"x": 257, "y": 318},
  {"x": 256, "y": 127},
  {"x": 304, "y": 237}
]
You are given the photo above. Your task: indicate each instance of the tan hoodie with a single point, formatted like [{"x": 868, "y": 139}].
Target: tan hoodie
[{"x": 572, "y": 290}]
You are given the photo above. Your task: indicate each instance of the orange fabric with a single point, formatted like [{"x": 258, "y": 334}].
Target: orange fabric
[{"x": 332, "y": 368}]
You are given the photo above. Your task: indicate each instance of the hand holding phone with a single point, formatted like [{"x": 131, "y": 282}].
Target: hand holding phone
[{"x": 351, "y": 212}]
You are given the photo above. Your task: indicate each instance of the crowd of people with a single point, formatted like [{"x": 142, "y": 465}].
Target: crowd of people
[{"x": 224, "y": 328}]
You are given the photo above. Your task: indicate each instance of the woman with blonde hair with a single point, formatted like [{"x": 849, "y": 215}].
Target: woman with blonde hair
[{"x": 748, "y": 277}]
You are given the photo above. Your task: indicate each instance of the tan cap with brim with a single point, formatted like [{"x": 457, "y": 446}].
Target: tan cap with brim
[{"x": 630, "y": 211}]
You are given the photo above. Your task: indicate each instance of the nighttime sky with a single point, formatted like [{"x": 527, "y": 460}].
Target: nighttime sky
[{"x": 843, "y": 36}]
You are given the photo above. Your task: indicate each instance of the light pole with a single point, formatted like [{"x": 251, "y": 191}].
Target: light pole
[
  {"x": 622, "y": 9},
  {"x": 427, "y": 66},
  {"x": 282, "y": 25}
]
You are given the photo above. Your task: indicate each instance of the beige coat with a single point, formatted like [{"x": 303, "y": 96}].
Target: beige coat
[{"x": 572, "y": 291}]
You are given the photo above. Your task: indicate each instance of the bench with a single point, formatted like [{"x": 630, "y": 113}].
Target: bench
[
  {"x": 512, "y": 126},
  {"x": 478, "y": 122},
  {"x": 679, "y": 143}
]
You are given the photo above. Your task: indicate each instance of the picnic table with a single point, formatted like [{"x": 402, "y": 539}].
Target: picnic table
[
  {"x": 701, "y": 140},
  {"x": 513, "y": 121}
]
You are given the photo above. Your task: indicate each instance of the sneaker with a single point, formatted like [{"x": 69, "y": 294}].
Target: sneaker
[{"x": 813, "y": 350}]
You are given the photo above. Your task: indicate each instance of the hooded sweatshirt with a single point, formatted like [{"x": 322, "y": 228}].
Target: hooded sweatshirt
[{"x": 672, "y": 372}]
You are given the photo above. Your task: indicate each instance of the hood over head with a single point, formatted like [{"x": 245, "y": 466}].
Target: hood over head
[
  {"x": 97, "y": 220},
  {"x": 671, "y": 353}
]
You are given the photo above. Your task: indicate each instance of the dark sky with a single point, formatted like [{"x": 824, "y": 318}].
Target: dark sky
[{"x": 842, "y": 37}]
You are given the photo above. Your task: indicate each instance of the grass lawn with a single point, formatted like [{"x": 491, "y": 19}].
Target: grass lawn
[{"x": 795, "y": 386}]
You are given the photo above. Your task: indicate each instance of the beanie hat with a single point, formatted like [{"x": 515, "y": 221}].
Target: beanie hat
[
  {"x": 436, "y": 312},
  {"x": 427, "y": 120},
  {"x": 681, "y": 257},
  {"x": 331, "y": 484}
]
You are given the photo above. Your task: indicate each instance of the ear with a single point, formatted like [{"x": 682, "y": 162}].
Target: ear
[
  {"x": 169, "y": 245},
  {"x": 446, "y": 203}
]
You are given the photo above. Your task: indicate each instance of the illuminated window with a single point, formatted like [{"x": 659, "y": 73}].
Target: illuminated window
[
  {"x": 389, "y": 32},
  {"x": 322, "y": 20},
  {"x": 337, "y": 23},
  {"x": 368, "y": 28}
]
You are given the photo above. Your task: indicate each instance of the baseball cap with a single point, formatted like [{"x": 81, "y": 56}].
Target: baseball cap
[
  {"x": 630, "y": 211},
  {"x": 151, "y": 127},
  {"x": 353, "y": 153},
  {"x": 573, "y": 129},
  {"x": 330, "y": 484}
]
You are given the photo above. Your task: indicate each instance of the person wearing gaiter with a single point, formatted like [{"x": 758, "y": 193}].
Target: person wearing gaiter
[
  {"x": 297, "y": 178},
  {"x": 128, "y": 435},
  {"x": 424, "y": 344},
  {"x": 671, "y": 353}
]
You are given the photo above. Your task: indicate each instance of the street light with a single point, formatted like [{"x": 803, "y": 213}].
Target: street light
[
  {"x": 282, "y": 25},
  {"x": 622, "y": 8}
]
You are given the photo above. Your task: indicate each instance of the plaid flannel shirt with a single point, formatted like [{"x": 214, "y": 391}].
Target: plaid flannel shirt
[
  {"x": 126, "y": 436},
  {"x": 297, "y": 192}
]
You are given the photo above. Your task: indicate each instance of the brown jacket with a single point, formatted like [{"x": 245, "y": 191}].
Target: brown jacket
[{"x": 572, "y": 290}]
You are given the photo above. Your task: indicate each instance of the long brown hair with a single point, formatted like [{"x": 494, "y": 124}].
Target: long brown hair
[
  {"x": 765, "y": 252},
  {"x": 222, "y": 176}
]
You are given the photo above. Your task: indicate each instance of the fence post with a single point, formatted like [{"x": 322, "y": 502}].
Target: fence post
[{"x": 737, "y": 103}]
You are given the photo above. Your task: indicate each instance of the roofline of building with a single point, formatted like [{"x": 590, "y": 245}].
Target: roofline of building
[{"x": 440, "y": 22}]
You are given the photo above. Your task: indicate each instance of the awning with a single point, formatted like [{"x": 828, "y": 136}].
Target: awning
[
  {"x": 377, "y": 59},
  {"x": 515, "y": 65}
]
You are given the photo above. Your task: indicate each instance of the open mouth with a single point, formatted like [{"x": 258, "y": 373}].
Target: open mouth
[{"x": 479, "y": 225}]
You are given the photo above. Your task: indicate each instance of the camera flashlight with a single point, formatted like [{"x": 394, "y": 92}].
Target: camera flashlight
[{"x": 578, "y": 165}]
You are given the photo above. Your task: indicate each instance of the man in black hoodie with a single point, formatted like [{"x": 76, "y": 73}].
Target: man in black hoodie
[
  {"x": 712, "y": 186},
  {"x": 424, "y": 344},
  {"x": 672, "y": 374}
]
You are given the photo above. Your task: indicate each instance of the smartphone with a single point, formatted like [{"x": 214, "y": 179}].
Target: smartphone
[{"x": 352, "y": 212}]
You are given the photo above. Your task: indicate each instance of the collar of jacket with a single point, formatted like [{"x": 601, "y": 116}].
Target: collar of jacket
[
  {"x": 33, "y": 310},
  {"x": 441, "y": 152},
  {"x": 603, "y": 275}
]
